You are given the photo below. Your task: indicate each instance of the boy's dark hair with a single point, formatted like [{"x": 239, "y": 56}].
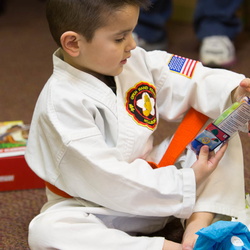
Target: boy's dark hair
[{"x": 83, "y": 16}]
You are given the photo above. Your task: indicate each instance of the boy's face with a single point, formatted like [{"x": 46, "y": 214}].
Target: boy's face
[{"x": 111, "y": 45}]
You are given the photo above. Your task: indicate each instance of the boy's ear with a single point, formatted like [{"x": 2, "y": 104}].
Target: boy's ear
[{"x": 70, "y": 43}]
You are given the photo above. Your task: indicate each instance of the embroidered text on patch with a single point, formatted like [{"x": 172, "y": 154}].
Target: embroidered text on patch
[
  {"x": 182, "y": 65},
  {"x": 140, "y": 104}
]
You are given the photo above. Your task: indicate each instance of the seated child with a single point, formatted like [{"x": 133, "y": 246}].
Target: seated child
[{"x": 91, "y": 137}]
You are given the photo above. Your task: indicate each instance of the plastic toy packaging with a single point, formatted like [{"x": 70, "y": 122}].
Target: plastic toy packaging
[
  {"x": 223, "y": 235},
  {"x": 225, "y": 126}
]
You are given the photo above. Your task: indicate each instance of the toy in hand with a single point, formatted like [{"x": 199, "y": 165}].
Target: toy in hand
[{"x": 219, "y": 131}]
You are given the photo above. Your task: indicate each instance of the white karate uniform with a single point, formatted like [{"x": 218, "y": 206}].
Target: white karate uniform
[{"x": 94, "y": 145}]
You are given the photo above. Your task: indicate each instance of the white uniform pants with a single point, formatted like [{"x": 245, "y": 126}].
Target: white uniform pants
[{"x": 68, "y": 226}]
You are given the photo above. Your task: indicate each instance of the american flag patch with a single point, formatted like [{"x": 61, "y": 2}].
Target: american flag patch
[{"x": 182, "y": 65}]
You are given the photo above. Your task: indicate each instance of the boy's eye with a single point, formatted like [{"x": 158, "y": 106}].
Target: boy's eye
[{"x": 120, "y": 40}]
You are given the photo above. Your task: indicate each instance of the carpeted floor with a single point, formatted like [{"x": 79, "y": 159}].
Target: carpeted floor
[{"x": 26, "y": 48}]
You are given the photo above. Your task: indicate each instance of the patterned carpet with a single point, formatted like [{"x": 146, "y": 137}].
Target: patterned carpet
[{"x": 17, "y": 208}]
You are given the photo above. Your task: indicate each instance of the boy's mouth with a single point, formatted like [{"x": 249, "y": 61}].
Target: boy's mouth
[{"x": 124, "y": 61}]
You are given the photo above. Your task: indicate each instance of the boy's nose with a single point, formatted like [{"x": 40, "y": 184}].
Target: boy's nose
[{"x": 131, "y": 43}]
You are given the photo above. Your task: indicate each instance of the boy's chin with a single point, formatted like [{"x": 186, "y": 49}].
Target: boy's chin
[{"x": 118, "y": 72}]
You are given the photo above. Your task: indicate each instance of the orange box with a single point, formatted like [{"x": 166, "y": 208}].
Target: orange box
[{"x": 15, "y": 174}]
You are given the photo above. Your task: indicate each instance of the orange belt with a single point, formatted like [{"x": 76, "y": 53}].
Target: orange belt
[
  {"x": 56, "y": 190},
  {"x": 190, "y": 126}
]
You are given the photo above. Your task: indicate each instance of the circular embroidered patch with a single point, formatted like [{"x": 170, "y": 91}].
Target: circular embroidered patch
[{"x": 140, "y": 104}]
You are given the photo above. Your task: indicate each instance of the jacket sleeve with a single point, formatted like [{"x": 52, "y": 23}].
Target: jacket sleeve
[{"x": 205, "y": 89}]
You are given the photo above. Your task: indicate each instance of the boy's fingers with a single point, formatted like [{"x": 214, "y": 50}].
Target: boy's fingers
[
  {"x": 243, "y": 89},
  {"x": 221, "y": 151},
  {"x": 219, "y": 154},
  {"x": 204, "y": 153},
  {"x": 245, "y": 83}
]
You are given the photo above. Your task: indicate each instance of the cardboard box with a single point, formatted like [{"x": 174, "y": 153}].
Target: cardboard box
[{"x": 15, "y": 174}]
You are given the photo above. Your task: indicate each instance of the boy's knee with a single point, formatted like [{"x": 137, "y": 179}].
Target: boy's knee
[{"x": 41, "y": 232}]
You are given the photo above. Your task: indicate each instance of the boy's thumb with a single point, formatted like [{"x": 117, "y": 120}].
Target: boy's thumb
[{"x": 204, "y": 152}]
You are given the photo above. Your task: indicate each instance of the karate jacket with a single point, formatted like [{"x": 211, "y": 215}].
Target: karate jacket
[{"x": 95, "y": 144}]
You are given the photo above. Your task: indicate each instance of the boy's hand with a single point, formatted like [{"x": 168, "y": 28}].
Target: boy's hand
[
  {"x": 170, "y": 245},
  {"x": 242, "y": 90},
  {"x": 207, "y": 163},
  {"x": 196, "y": 222}
]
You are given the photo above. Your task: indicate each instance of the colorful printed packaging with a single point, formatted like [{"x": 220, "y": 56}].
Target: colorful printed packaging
[{"x": 226, "y": 125}]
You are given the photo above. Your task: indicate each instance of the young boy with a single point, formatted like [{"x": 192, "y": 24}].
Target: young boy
[{"x": 91, "y": 137}]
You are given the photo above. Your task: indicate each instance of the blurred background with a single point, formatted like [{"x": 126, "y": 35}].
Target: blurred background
[{"x": 26, "y": 50}]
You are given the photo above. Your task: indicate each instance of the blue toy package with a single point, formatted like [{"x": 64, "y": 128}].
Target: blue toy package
[
  {"x": 223, "y": 235},
  {"x": 220, "y": 130}
]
